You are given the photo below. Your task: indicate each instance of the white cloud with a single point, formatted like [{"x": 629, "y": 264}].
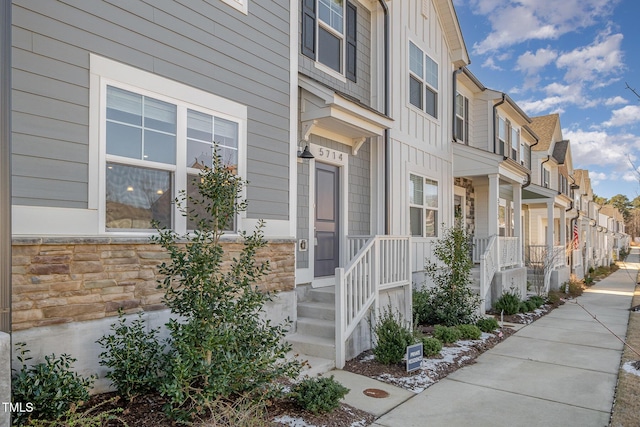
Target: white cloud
[
  {"x": 615, "y": 101},
  {"x": 491, "y": 64},
  {"x": 516, "y": 21},
  {"x": 530, "y": 62},
  {"x": 624, "y": 116},
  {"x": 588, "y": 63},
  {"x": 599, "y": 148}
]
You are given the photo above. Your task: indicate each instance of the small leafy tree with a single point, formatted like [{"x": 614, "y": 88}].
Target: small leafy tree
[
  {"x": 451, "y": 301},
  {"x": 221, "y": 345}
]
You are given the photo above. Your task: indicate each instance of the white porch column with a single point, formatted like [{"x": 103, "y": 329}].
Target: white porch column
[
  {"x": 563, "y": 228},
  {"x": 517, "y": 220},
  {"x": 550, "y": 226},
  {"x": 494, "y": 201}
]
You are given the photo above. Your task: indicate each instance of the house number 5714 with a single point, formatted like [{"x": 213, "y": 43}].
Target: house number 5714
[{"x": 329, "y": 154}]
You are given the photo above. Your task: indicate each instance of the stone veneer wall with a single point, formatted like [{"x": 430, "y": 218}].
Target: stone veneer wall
[{"x": 58, "y": 280}]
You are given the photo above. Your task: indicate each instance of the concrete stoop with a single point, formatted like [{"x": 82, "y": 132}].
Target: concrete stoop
[{"x": 314, "y": 339}]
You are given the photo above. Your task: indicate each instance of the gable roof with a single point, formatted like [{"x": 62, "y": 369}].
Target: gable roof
[
  {"x": 452, "y": 32},
  {"x": 544, "y": 127}
]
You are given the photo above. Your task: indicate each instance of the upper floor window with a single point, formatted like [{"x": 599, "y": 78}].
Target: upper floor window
[
  {"x": 423, "y": 206},
  {"x": 423, "y": 81},
  {"x": 462, "y": 118},
  {"x": 329, "y": 34},
  {"x": 504, "y": 133},
  {"x": 515, "y": 143},
  {"x": 546, "y": 178}
]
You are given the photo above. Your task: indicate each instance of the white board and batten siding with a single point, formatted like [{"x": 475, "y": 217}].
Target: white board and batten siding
[{"x": 420, "y": 144}]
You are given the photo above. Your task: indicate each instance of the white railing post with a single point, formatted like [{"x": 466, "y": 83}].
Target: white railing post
[{"x": 340, "y": 322}]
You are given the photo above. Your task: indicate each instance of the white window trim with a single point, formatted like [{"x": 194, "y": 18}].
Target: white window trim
[
  {"x": 105, "y": 72},
  {"x": 423, "y": 206},
  {"x": 241, "y": 5},
  {"x": 464, "y": 117},
  {"x": 423, "y": 81},
  {"x": 340, "y": 75}
]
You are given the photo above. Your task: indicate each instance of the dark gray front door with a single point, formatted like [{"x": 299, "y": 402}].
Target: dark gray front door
[{"x": 327, "y": 219}]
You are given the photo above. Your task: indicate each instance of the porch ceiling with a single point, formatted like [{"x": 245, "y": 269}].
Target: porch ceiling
[{"x": 337, "y": 116}]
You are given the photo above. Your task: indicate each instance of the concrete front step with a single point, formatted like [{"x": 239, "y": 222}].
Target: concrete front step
[
  {"x": 325, "y": 294},
  {"x": 316, "y": 310},
  {"x": 312, "y": 345},
  {"x": 316, "y": 327},
  {"x": 311, "y": 366}
]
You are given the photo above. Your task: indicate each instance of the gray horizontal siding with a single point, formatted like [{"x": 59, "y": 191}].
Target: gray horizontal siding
[{"x": 205, "y": 44}]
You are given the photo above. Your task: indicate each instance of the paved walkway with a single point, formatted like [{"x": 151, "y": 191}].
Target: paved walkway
[{"x": 561, "y": 370}]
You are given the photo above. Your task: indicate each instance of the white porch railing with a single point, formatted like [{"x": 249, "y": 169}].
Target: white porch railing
[
  {"x": 509, "y": 252},
  {"x": 382, "y": 262},
  {"x": 479, "y": 247},
  {"x": 488, "y": 267}
]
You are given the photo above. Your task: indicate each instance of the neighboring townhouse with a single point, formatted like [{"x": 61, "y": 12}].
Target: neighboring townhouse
[
  {"x": 344, "y": 122},
  {"x": 373, "y": 181},
  {"x": 491, "y": 166},
  {"x": 588, "y": 245},
  {"x": 614, "y": 237},
  {"x": 114, "y": 109},
  {"x": 428, "y": 49},
  {"x": 548, "y": 202}
]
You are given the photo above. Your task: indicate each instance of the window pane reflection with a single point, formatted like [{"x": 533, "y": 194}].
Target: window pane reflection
[{"x": 136, "y": 196}]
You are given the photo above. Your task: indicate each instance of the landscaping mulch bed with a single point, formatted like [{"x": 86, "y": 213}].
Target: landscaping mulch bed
[{"x": 146, "y": 411}]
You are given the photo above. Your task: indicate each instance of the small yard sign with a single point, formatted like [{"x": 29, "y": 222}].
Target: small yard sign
[{"x": 414, "y": 357}]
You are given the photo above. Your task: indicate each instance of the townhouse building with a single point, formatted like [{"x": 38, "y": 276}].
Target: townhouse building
[{"x": 492, "y": 167}]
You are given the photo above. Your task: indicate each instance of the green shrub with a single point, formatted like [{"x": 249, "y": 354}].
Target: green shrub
[
  {"x": 573, "y": 288},
  {"x": 487, "y": 324},
  {"x": 431, "y": 346},
  {"x": 523, "y": 307},
  {"x": 50, "y": 386},
  {"x": 447, "y": 334},
  {"x": 221, "y": 344},
  {"x": 531, "y": 305},
  {"x": 133, "y": 356},
  {"x": 553, "y": 298},
  {"x": 509, "y": 302},
  {"x": 392, "y": 338},
  {"x": 319, "y": 394},
  {"x": 451, "y": 301},
  {"x": 537, "y": 300},
  {"x": 469, "y": 332}
]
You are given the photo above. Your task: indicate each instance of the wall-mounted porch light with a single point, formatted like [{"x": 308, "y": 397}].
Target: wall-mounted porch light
[{"x": 305, "y": 154}]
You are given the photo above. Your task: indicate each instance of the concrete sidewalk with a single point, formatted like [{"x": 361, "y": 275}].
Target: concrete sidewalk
[{"x": 559, "y": 371}]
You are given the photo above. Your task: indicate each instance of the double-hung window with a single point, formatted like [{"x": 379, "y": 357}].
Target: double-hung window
[
  {"x": 423, "y": 81},
  {"x": 462, "y": 118},
  {"x": 329, "y": 33},
  {"x": 515, "y": 143},
  {"x": 155, "y": 138},
  {"x": 423, "y": 206},
  {"x": 503, "y": 136}
]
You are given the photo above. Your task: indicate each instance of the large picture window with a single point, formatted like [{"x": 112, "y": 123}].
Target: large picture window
[
  {"x": 154, "y": 149},
  {"x": 423, "y": 81},
  {"x": 423, "y": 206}
]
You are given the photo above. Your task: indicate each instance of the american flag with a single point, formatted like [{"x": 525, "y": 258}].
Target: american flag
[{"x": 576, "y": 236}]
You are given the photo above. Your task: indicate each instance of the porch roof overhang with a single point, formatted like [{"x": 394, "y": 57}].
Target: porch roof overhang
[
  {"x": 328, "y": 113},
  {"x": 536, "y": 194},
  {"x": 470, "y": 161}
]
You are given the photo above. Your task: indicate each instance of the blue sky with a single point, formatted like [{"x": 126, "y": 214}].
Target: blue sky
[{"x": 572, "y": 57}]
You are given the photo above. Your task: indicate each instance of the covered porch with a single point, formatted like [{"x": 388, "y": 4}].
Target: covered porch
[
  {"x": 493, "y": 219},
  {"x": 548, "y": 251}
]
